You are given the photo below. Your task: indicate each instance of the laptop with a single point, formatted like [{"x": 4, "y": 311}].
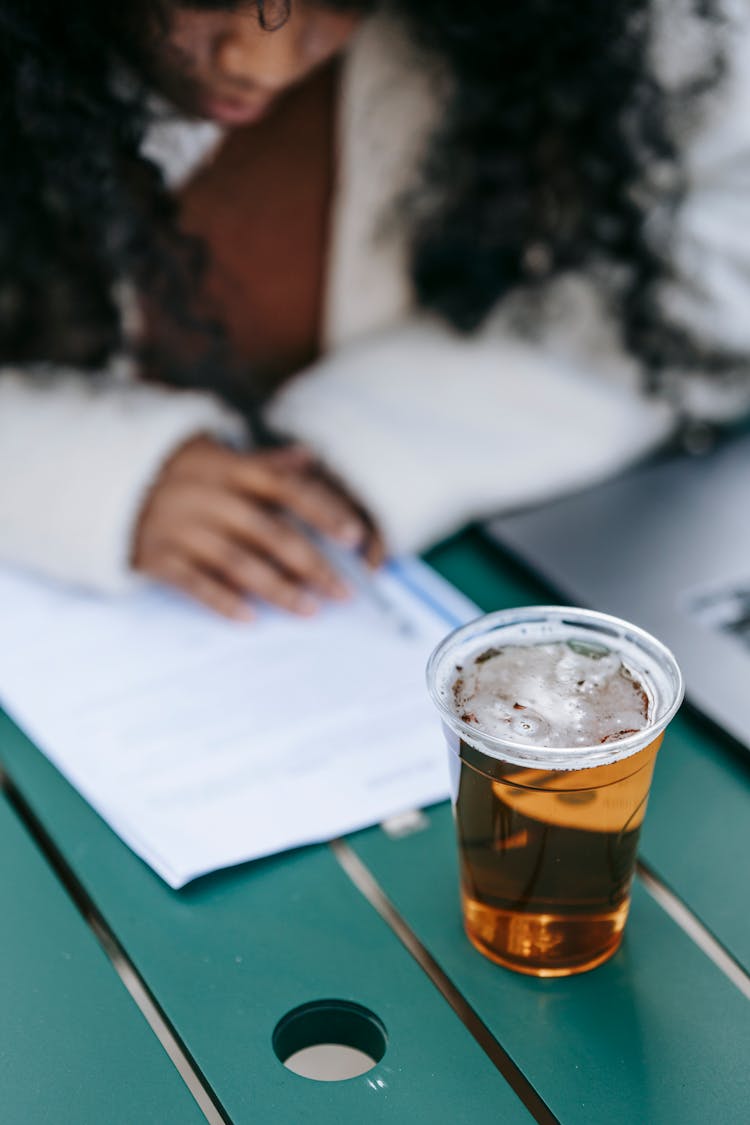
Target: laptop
[{"x": 667, "y": 546}]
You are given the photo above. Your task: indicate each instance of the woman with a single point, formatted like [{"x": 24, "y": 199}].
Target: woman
[{"x": 365, "y": 179}]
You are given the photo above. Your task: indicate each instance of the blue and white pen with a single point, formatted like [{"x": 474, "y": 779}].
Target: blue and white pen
[{"x": 353, "y": 570}]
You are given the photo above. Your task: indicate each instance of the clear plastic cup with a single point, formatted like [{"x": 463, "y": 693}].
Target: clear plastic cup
[{"x": 548, "y": 835}]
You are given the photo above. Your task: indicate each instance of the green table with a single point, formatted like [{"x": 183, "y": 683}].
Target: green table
[
  {"x": 658, "y": 1034},
  {"x": 73, "y": 1046}
]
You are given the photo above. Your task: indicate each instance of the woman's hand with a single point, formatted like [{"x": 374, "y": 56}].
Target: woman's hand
[{"x": 225, "y": 526}]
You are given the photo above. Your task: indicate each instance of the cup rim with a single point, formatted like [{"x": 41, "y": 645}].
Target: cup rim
[{"x": 556, "y": 757}]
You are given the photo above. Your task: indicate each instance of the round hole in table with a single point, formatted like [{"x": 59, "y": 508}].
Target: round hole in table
[{"x": 329, "y": 1040}]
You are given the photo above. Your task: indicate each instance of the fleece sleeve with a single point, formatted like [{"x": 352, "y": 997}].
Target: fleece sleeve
[
  {"x": 78, "y": 455},
  {"x": 433, "y": 430}
]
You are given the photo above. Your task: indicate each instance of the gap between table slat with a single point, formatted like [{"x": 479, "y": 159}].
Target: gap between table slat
[
  {"x": 366, "y": 883},
  {"x": 155, "y": 1017},
  {"x": 691, "y": 925}
]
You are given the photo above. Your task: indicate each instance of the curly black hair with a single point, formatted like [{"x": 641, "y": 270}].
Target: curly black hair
[
  {"x": 549, "y": 158},
  {"x": 560, "y": 145}
]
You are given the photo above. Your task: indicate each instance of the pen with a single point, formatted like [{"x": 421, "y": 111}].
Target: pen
[{"x": 351, "y": 567}]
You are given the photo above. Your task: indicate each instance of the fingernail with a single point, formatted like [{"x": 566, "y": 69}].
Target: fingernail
[
  {"x": 350, "y": 534},
  {"x": 305, "y": 605},
  {"x": 339, "y": 590}
]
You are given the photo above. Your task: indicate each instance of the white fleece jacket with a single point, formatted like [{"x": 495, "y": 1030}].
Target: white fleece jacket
[{"x": 429, "y": 428}]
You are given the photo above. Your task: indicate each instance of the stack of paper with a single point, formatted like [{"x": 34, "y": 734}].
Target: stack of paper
[{"x": 205, "y": 743}]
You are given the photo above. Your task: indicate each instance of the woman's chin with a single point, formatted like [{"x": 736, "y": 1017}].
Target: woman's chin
[{"x": 226, "y": 112}]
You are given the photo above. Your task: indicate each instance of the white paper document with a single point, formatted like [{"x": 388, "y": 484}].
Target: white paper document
[{"x": 205, "y": 743}]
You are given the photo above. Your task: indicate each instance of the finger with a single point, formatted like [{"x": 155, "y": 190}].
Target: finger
[
  {"x": 290, "y": 457},
  {"x": 313, "y": 500},
  {"x": 203, "y": 459},
  {"x": 327, "y": 510},
  {"x": 247, "y": 572},
  {"x": 286, "y": 546},
  {"x": 204, "y": 587},
  {"x": 374, "y": 552},
  {"x": 249, "y": 525}
]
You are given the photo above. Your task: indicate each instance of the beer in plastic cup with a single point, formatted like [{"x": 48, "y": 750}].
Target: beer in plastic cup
[{"x": 553, "y": 718}]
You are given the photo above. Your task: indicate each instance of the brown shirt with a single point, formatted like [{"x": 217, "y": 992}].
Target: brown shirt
[{"x": 262, "y": 208}]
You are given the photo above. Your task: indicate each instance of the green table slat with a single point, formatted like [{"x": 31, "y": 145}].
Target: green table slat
[
  {"x": 656, "y": 1035},
  {"x": 228, "y": 956},
  {"x": 73, "y": 1046},
  {"x": 696, "y": 836}
]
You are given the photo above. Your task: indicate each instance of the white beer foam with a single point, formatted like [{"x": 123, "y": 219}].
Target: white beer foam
[
  {"x": 562, "y": 694},
  {"x": 649, "y": 663}
]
